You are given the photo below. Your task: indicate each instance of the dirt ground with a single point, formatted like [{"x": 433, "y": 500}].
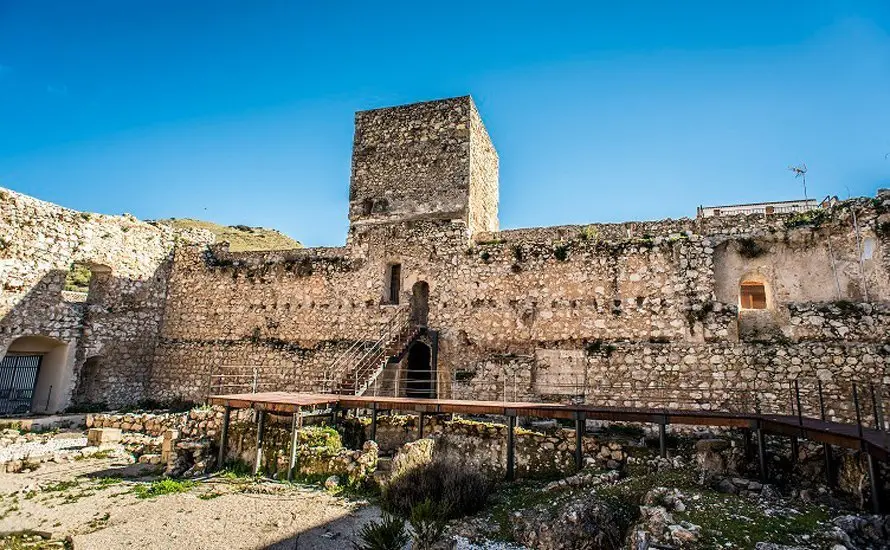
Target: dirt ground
[{"x": 94, "y": 502}]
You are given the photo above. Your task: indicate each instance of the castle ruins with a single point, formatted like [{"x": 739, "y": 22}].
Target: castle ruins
[{"x": 428, "y": 298}]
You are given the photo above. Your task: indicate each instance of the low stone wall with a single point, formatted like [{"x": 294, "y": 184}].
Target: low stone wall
[
  {"x": 483, "y": 446},
  {"x": 196, "y": 423}
]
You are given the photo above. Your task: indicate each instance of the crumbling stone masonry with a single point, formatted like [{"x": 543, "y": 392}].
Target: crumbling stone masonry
[{"x": 636, "y": 313}]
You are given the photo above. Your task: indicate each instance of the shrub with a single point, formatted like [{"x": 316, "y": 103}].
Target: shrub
[
  {"x": 459, "y": 491},
  {"x": 428, "y": 521},
  {"x": 517, "y": 253},
  {"x": 386, "y": 534},
  {"x": 589, "y": 233},
  {"x": 321, "y": 436},
  {"x": 561, "y": 252}
]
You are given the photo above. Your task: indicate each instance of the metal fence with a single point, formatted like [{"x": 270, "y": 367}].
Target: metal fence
[{"x": 18, "y": 378}]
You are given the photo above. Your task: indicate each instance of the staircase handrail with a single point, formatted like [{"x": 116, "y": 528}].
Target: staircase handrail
[
  {"x": 343, "y": 361},
  {"x": 387, "y": 336},
  {"x": 362, "y": 383}
]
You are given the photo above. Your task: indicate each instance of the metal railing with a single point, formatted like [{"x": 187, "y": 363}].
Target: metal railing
[
  {"x": 362, "y": 360},
  {"x": 234, "y": 379}
]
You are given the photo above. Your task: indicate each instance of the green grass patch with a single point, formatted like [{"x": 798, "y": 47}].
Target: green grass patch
[
  {"x": 104, "y": 482},
  {"x": 241, "y": 238},
  {"x": 237, "y": 469},
  {"x": 61, "y": 486},
  {"x": 163, "y": 487},
  {"x": 730, "y": 521}
]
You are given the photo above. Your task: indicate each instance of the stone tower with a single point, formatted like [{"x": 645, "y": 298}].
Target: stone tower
[{"x": 431, "y": 160}]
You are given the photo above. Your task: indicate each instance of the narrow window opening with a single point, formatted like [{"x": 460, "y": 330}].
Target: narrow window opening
[
  {"x": 395, "y": 283},
  {"x": 752, "y": 295}
]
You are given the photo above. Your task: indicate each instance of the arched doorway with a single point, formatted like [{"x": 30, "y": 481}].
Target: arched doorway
[
  {"x": 35, "y": 376},
  {"x": 420, "y": 302},
  {"x": 419, "y": 377}
]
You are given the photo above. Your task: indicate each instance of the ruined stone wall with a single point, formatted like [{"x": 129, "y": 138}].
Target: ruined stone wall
[
  {"x": 554, "y": 313},
  {"x": 482, "y": 446},
  {"x": 116, "y": 324},
  {"x": 562, "y": 313}
]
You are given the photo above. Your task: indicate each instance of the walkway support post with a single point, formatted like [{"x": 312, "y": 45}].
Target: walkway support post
[
  {"x": 420, "y": 420},
  {"x": 374, "y": 421},
  {"x": 260, "y": 428},
  {"x": 223, "y": 438},
  {"x": 511, "y": 456},
  {"x": 761, "y": 452},
  {"x": 826, "y": 447},
  {"x": 294, "y": 442},
  {"x": 662, "y": 437},
  {"x": 874, "y": 480},
  {"x": 858, "y": 411},
  {"x": 579, "y": 437}
]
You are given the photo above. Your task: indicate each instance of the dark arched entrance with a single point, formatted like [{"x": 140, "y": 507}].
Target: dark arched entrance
[
  {"x": 419, "y": 378},
  {"x": 420, "y": 303}
]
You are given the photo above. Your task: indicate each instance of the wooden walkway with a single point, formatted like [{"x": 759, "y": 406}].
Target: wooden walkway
[{"x": 874, "y": 443}]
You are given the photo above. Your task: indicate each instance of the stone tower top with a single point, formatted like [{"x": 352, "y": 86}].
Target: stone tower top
[{"x": 431, "y": 160}]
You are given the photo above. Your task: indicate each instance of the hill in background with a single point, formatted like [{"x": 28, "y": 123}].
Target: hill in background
[{"x": 241, "y": 237}]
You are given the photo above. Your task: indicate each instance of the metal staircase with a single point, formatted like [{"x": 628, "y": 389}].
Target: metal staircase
[{"x": 356, "y": 369}]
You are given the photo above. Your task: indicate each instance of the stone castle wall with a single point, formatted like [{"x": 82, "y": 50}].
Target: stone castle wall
[
  {"x": 113, "y": 329},
  {"x": 636, "y": 313},
  {"x": 555, "y": 313}
]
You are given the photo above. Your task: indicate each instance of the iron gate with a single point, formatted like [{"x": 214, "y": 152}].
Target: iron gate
[{"x": 18, "y": 377}]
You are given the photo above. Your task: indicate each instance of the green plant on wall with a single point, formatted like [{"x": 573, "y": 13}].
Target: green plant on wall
[
  {"x": 561, "y": 252},
  {"x": 78, "y": 278},
  {"x": 810, "y": 217},
  {"x": 589, "y": 233}
]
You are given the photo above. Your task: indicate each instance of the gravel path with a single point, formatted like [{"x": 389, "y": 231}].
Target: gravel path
[
  {"x": 218, "y": 513},
  {"x": 18, "y": 451}
]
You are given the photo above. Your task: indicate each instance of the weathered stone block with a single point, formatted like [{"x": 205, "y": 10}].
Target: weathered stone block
[{"x": 99, "y": 437}]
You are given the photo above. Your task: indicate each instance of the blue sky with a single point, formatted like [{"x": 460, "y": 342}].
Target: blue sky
[{"x": 241, "y": 112}]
